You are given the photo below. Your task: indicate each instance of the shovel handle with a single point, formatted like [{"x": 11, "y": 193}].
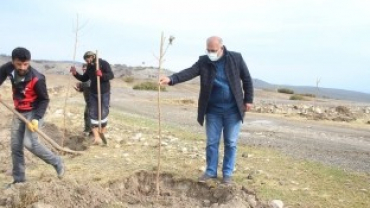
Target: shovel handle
[
  {"x": 48, "y": 139},
  {"x": 99, "y": 91}
]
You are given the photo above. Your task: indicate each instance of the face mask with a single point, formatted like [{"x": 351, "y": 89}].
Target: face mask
[{"x": 213, "y": 56}]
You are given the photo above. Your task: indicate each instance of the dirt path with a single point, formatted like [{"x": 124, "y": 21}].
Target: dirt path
[{"x": 329, "y": 143}]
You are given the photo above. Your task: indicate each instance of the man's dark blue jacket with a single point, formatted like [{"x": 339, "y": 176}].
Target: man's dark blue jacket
[{"x": 237, "y": 74}]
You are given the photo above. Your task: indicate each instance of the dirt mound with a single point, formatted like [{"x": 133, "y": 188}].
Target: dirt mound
[
  {"x": 135, "y": 191},
  {"x": 73, "y": 141},
  {"x": 77, "y": 143},
  {"x": 140, "y": 189}
]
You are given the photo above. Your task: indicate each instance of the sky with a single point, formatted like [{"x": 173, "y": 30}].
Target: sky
[{"x": 282, "y": 41}]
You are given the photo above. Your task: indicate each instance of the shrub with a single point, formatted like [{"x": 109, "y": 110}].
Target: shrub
[
  {"x": 297, "y": 97},
  {"x": 148, "y": 86},
  {"x": 285, "y": 90},
  {"x": 342, "y": 109},
  {"x": 308, "y": 95},
  {"x": 128, "y": 79}
]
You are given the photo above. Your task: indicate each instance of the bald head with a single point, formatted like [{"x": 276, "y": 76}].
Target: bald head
[
  {"x": 214, "y": 40},
  {"x": 215, "y": 45}
]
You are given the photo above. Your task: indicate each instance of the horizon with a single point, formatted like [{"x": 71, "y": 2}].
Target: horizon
[
  {"x": 292, "y": 42},
  {"x": 254, "y": 78}
]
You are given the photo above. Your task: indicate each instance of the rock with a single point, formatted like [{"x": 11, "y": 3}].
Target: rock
[
  {"x": 245, "y": 155},
  {"x": 294, "y": 182},
  {"x": 137, "y": 136},
  {"x": 58, "y": 112},
  {"x": 251, "y": 199},
  {"x": 276, "y": 204},
  {"x": 258, "y": 109},
  {"x": 118, "y": 140},
  {"x": 164, "y": 143},
  {"x": 39, "y": 205},
  {"x": 342, "y": 110},
  {"x": 206, "y": 203},
  {"x": 202, "y": 169},
  {"x": 184, "y": 150},
  {"x": 282, "y": 183},
  {"x": 250, "y": 176},
  {"x": 172, "y": 139},
  {"x": 215, "y": 205},
  {"x": 317, "y": 110},
  {"x": 117, "y": 146}
]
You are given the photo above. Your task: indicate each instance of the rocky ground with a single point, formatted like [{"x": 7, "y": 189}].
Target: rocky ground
[
  {"x": 123, "y": 174},
  {"x": 332, "y": 132}
]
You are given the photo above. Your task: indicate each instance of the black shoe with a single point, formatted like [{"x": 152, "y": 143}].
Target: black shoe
[
  {"x": 227, "y": 180},
  {"x": 205, "y": 177}
]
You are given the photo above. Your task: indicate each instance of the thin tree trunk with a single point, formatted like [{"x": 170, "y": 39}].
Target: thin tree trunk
[
  {"x": 69, "y": 81},
  {"x": 159, "y": 113}
]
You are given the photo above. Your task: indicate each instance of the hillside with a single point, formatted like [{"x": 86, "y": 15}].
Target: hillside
[
  {"x": 321, "y": 92},
  {"x": 141, "y": 72}
]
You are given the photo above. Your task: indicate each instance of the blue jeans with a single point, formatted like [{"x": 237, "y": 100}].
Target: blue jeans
[
  {"x": 229, "y": 124},
  {"x": 22, "y": 137}
]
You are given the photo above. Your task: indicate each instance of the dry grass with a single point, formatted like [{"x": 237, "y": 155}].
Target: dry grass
[
  {"x": 274, "y": 176},
  {"x": 298, "y": 183}
]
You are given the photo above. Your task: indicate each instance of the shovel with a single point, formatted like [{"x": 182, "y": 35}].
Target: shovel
[
  {"x": 101, "y": 134},
  {"x": 48, "y": 139}
]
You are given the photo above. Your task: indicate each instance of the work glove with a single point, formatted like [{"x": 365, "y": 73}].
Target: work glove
[
  {"x": 33, "y": 125},
  {"x": 99, "y": 73},
  {"x": 73, "y": 70}
]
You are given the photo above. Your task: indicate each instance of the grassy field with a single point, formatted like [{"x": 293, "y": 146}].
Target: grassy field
[{"x": 270, "y": 174}]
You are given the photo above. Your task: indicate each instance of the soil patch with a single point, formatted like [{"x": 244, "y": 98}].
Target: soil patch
[{"x": 137, "y": 190}]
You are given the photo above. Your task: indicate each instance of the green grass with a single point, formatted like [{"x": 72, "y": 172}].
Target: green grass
[
  {"x": 297, "y": 97},
  {"x": 298, "y": 183},
  {"x": 285, "y": 91},
  {"x": 148, "y": 86},
  {"x": 128, "y": 79}
]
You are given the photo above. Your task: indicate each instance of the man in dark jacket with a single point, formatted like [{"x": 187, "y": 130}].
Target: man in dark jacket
[
  {"x": 31, "y": 99},
  {"x": 226, "y": 92},
  {"x": 84, "y": 87},
  {"x": 105, "y": 74}
]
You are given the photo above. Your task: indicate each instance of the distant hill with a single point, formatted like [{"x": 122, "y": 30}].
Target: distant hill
[
  {"x": 62, "y": 68},
  {"x": 321, "y": 92},
  {"x": 147, "y": 72}
]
